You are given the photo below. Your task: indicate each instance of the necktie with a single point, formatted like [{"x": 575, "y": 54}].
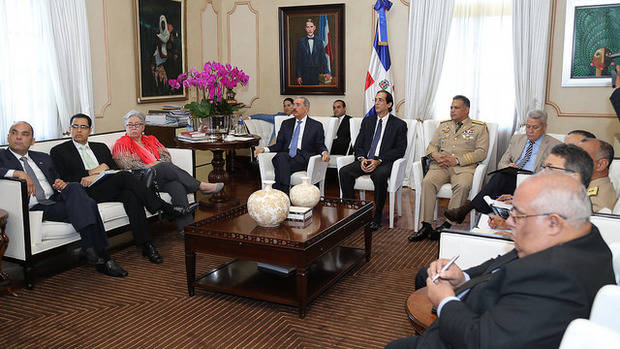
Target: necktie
[
  {"x": 292, "y": 150},
  {"x": 88, "y": 161},
  {"x": 458, "y": 126},
  {"x": 375, "y": 140},
  {"x": 527, "y": 156},
  {"x": 39, "y": 192}
]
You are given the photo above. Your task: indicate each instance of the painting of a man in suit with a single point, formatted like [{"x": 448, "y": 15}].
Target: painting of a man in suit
[{"x": 310, "y": 61}]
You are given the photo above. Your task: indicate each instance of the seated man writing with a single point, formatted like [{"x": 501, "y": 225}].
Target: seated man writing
[{"x": 527, "y": 297}]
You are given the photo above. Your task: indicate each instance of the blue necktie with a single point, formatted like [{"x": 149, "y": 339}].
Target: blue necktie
[
  {"x": 375, "y": 141},
  {"x": 528, "y": 154},
  {"x": 292, "y": 150}
]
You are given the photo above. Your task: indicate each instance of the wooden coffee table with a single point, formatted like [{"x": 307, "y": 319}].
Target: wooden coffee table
[{"x": 314, "y": 251}]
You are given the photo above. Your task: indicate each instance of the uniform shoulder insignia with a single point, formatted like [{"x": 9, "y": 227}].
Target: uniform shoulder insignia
[
  {"x": 441, "y": 122},
  {"x": 593, "y": 191},
  {"x": 478, "y": 122}
]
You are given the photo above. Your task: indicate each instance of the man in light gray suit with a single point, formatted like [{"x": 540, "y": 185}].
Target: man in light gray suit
[{"x": 526, "y": 152}]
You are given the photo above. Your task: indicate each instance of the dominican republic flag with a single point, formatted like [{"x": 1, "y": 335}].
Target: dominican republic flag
[
  {"x": 379, "y": 75},
  {"x": 327, "y": 43}
]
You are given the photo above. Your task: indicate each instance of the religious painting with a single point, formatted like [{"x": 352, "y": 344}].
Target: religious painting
[
  {"x": 160, "y": 49},
  {"x": 312, "y": 50},
  {"x": 591, "y": 43}
]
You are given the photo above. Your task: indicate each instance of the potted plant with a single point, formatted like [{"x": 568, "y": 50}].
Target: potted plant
[{"x": 211, "y": 111}]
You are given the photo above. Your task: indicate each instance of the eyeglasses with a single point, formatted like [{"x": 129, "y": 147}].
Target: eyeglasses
[
  {"x": 134, "y": 125},
  {"x": 83, "y": 127},
  {"x": 518, "y": 216},
  {"x": 549, "y": 167}
]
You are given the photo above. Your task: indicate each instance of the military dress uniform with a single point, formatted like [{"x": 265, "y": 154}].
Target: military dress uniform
[
  {"x": 602, "y": 194},
  {"x": 469, "y": 144}
]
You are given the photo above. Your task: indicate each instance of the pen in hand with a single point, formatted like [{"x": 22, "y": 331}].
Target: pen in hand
[{"x": 445, "y": 267}]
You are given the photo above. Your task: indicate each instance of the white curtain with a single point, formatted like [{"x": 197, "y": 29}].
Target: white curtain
[
  {"x": 45, "y": 65},
  {"x": 479, "y": 65},
  {"x": 530, "y": 23},
  {"x": 70, "y": 65},
  {"x": 429, "y": 26}
]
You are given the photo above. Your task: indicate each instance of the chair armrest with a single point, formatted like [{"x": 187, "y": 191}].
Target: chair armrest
[
  {"x": 316, "y": 169},
  {"x": 478, "y": 181},
  {"x": 344, "y": 161},
  {"x": 183, "y": 158},
  {"x": 265, "y": 166},
  {"x": 418, "y": 175},
  {"x": 397, "y": 177},
  {"x": 14, "y": 200}
]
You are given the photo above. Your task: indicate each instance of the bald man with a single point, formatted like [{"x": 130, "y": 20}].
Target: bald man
[
  {"x": 527, "y": 297},
  {"x": 601, "y": 191}
]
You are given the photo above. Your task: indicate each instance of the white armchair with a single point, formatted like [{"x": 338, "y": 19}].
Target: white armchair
[
  {"x": 429, "y": 128},
  {"x": 354, "y": 129},
  {"x": 316, "y": 168},
  {"x": 395, "y": 182}
]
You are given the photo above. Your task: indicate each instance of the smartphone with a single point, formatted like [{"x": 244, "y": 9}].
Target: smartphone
[{"x": 501, "y": 211}]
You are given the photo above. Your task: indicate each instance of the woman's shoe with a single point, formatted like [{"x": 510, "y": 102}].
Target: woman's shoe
[{"x": 218, "y": 188}]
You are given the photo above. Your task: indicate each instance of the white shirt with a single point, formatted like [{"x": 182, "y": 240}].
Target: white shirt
[
  {"x": 47, "y": 187},
  {"x": 384, "y": 122},
  {"x": 302, "y": 127},
  {"x": 89, "y": 152}
]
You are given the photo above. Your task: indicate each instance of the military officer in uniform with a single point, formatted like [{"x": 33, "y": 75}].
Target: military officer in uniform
[
  {"x": 601, "y": 191},
  {"x": 458, "y": 145}
]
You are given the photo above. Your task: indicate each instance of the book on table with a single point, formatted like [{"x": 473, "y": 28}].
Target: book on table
[{"x": 299, "y": 214}]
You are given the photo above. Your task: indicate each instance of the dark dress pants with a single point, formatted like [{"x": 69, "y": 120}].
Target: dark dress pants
[
  {"x": 499, "y": 184},
  {"x": 379, "y": 177},
  {"x": 403, "y": 343},
  {"x": 284, "y": 166},
  {"x": 74, "y": 206},
  {"x": 134, "y": 195},
  {"x": 178, "y": 183}
]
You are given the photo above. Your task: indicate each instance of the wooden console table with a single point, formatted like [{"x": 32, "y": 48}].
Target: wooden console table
[
  {"x": 219, "y": 174},
  {"x": 418, "y": 308},
  {"x": 314, "y": 251}
]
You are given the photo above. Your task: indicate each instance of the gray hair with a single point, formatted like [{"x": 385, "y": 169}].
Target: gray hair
[
  {"x": 306, "y": 101},
  {"x": 538, "y": 114},
  {"x": 563, "y": 195},
  {"x": 131, "y": 113}
]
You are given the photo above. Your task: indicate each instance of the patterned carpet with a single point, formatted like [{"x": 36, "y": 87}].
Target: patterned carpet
[{"x": 150, "y": 308}]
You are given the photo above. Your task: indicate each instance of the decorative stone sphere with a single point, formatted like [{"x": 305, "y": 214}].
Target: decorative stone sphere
[
  {"x": 268, "y": 207},
  {"x": 305, "y": 194}
]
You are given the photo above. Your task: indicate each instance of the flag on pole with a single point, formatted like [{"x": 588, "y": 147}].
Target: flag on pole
[
  {"x": 379, "y": 75},
  {"x": 327, "y": 44}
]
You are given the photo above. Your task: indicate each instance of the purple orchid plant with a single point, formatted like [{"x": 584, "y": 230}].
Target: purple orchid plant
[{"x": 210, "y": 84}]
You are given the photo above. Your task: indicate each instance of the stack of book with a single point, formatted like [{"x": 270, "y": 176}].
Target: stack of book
[
  {"x": 299, "y": 217},
  {"x": 169, "y": 115},
  {"x": 193, "y": 136}
]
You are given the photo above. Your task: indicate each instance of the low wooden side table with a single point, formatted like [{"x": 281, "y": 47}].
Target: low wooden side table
[
  {"x": 4, "y": 243},
  {"x": 419, "y": 310}
]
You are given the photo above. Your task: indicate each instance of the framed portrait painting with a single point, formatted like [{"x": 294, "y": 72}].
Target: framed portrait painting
[
  {"x": 312, "y": 50},
  {"x": 160, "y": 49},
  {"x": 591, "y": 42}
]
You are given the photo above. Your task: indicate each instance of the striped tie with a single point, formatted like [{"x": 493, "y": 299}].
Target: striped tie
[{"x": 528, "y": 154}]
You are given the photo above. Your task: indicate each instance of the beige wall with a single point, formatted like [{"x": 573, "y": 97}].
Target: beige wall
[
  {"x": 572, "y": 108},
  {"x": 256, "y": 50}
]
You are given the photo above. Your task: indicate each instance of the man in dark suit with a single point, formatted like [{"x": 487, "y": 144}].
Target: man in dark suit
[
  {"x": 310, "y": 60},
  {"x": 79, "y": 160},
  {"x": 59, "y": 201},
  {"x": 341, "y": 144},
  {"x": 525, "y": 152},
  {"x": 527, "y": 297},
  {"x": 381, "y": 141},
  {"x": 299, "y": 139}
]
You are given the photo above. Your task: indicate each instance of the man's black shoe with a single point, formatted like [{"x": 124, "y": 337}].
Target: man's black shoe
[
  {"x": 185, "y": 210},
  {"x": 374, "y": 226},
  {"x": 88, "y": 255},
  {"x": 110, "y": 268},
  {"x": 426, "y": 231},
  {"x": 149, "y": 251}
]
